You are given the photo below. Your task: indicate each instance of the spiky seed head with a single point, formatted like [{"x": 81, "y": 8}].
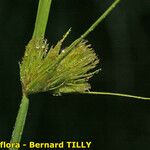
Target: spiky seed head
[{"x": 41, "y": 69}]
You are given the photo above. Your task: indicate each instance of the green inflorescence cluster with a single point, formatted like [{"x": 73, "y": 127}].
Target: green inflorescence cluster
[{"x": 42, "y": 70}]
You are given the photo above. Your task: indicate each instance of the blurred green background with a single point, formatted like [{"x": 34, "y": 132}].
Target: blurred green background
[{"x": 122, "y": 42}]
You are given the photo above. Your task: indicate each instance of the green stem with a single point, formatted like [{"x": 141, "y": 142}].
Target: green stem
[
  {"x": 94, "y": 25},
  {"x": 39, "y": 32},
  {"x": 20, "y": 121},
  {"x": 42, "y": 18},
  {"x": 118, "y": 94}
]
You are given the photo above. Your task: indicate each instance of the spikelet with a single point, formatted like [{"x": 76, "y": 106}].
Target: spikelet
[{"x": 41, "y": 69}]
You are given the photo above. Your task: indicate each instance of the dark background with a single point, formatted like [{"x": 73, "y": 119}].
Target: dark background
[{"x": 122, "y": 42}]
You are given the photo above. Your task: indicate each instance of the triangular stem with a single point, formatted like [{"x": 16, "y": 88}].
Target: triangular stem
[
  {"x": 20, "y": 121},
  {"x": 42, "y": 18}
]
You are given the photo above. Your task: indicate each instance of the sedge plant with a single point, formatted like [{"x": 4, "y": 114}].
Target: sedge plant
[{"x": 54, "y": 69}]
